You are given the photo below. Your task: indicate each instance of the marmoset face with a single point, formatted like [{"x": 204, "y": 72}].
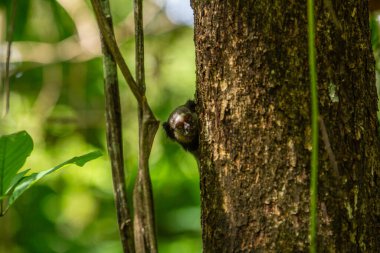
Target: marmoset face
[{"x": 182, "y": 126}]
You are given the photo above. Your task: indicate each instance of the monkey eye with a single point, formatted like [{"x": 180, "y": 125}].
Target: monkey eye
[
  {"x": 179, "y": 125},
  {"x": 188, "y": 117}
]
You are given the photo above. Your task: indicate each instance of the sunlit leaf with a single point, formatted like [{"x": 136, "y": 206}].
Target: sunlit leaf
[
  {"x": 29, "y": 180},
  {"x": 15, "y": 180},
  {"x": 14, "y": 149}
]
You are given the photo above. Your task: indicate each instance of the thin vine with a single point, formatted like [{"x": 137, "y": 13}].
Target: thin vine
[
  {"x": 314, "y": 126},
  {"x": 143, "y": 220},
  {"x": 114, "y": 140}
]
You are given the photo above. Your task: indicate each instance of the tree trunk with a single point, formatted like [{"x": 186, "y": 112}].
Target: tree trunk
[{"x": 254, "y": 107}]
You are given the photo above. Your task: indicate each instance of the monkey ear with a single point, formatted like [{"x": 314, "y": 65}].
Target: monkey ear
[
  {"x": 168, "y": 130},
  {"x": 191, "y": 105}
]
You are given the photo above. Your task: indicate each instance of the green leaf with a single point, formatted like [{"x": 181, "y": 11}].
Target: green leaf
[
  {"x": 29, "y": 180},
  {"x": 82, "y": 160},
  {"x": 14, "y": 149},
  {"x": 15, "y": 180}
]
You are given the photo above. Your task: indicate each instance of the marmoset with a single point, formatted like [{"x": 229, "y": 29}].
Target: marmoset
[{"x": 183, "y": 127}]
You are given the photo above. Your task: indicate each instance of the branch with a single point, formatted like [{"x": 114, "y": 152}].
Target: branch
[
  {"x": 114, "y": 142},
  {"x": 110, "y": 41},
  {"x": 144, "y": 226},
  {"x": 143, "y": 201},
  {"x": 139, "y": 45}
]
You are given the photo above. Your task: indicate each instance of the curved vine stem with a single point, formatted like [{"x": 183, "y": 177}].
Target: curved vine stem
[
  {"x": 144, "y": 225},
  {"x": 109, "y": 39},
  {"x": 144, "y": 230},
  {"x": 114, "y": 140}
]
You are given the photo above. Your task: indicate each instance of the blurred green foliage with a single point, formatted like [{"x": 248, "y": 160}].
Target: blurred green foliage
[{"x": 57, "y": 96}]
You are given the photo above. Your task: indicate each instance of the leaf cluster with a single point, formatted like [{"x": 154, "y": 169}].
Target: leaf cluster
[{"x": 14, "y": 150}]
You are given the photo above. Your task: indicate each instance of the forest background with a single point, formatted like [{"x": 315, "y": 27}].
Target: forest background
[{"x": 57, "y": 96}]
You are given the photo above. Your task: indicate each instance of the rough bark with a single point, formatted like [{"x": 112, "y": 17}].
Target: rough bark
[{"x": 254, "y": 106}]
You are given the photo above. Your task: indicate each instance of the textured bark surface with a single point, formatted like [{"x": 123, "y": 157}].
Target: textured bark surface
[{"x": 254, "y": 107}]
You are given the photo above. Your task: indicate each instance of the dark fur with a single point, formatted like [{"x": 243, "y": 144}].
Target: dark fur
[
  {"x": 192, "y": 146},
  {"x": 191, "y": 105}
]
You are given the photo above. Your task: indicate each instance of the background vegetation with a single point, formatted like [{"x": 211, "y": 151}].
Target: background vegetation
[{"x": 57, "y": 96}]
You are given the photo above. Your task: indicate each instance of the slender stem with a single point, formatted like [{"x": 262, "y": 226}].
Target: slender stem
[
  {"x": 8, "y": 59},
  {"x": 148, "y": 125},
  {"x": 139, "y": 44},
  {"x": 314, "y": 127},
  {"x": 110, "y": 41},
  {"x": 114, "y": 141},
  {"x": 144, "y": 225}
]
